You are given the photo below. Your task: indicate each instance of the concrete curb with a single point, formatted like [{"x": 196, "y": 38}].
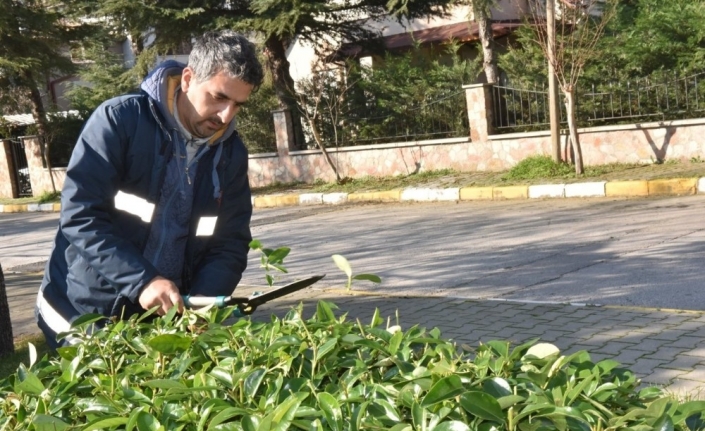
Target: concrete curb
[{"x": 640, "y": 188}]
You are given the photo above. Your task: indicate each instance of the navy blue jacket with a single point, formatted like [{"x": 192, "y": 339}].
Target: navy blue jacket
[{"x": 97, "y": 263}]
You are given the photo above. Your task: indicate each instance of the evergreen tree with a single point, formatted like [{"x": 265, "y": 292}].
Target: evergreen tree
[
  {"x": 168, "y": 26},
  {"x": 34, "y": 38}
]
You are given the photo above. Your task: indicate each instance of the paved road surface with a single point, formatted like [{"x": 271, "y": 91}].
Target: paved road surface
[{"x": 638, "y": 252}]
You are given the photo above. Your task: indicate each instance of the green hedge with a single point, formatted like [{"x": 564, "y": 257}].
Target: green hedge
[{"x": 197, "y": 372}]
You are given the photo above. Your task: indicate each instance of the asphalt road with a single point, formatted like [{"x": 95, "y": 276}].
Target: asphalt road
[{"x": 637, "y": 252}]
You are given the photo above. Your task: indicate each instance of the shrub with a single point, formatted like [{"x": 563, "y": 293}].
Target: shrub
[
  {"x": 197, "y": 372},
  {"x": 538, "y": 167}
]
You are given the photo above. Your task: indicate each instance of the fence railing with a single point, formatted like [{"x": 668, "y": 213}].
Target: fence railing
[
  {"x": 444, "y": 117},
  {"x": 521, "y": 110}
]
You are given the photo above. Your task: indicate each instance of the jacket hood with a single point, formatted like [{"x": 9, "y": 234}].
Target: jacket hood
[{"x": 161, "y": 84}]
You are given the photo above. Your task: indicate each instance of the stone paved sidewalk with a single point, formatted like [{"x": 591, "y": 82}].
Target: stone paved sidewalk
[{"x": 663, "y": 347}]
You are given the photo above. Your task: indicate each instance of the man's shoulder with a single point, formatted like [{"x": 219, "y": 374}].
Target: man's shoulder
[{"x": 126, "y": 101}]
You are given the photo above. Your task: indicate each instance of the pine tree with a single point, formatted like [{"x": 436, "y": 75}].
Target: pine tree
[
  {"x": 34, "y": 36},
  {"x": 171, "y": 25}
]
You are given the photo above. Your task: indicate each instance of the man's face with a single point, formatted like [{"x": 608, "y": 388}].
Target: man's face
[{"x": 206, "y": 106}]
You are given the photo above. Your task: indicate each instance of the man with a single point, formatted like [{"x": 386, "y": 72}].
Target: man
[{"x": 156, "y": 201}]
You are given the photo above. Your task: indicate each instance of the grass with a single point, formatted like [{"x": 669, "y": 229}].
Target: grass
[
  {"x": 9, "y": 364},
  {"x": 46, "y": 197},
  {"x": 533, "y": 170}
]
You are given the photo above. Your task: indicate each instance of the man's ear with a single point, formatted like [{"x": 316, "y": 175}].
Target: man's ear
[{"x": 187, "y": 77}]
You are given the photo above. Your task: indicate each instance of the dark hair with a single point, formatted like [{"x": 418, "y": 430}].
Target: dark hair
[{"x": 227, "y": 51}]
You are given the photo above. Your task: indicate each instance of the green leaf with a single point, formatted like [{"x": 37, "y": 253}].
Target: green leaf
[
  {"x": 445, "y": 388},
  {"x": 419, "y": 415},
  {"x": 147, "y": 422},
  {"x": 497, "y": 387},
  {"x": 278, "y": 255},
  {"x": 105, "y": 423},
  {"x": 255, "y": 244},
  {"x": 451, "y": 426},
  {"x": 368, "y": 277},
  {"x": 324, "y": 312},
  {"x": 327, "y": 347},
  {"x": 542, "y": 350},
  {"x": 331, "y": 410},
  {"x": 482, "y": 405},
  {"x": 285, "y": 412},
  {"x": 87, "y": 319},
  {"x": 48, "y": 423},
  {"x": 343, "y": 264},
  {"x": 169, "y": 344},
  {"x": 253, "y": 381},
  {"x": 28, "y": 382},
  {"x": 164, "y": 384},
  {"x": 224, "y": 415},
  {"x": 509, "y": 400}
]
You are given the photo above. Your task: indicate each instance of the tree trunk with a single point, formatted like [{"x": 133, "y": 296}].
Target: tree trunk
[
  {"x": 573, "y": 130},
  {"x": 278, "y": 65},
  {"x": 321, "y": 145},
  {"x": 7, "y": 345},
  {"x": 39, "y": 114},
  {"x": 483, "y": 17},
  {"x": 553, "y": 102}
]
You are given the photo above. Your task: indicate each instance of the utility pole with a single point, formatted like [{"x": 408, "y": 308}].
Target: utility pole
[{"x": 553, "y": 99}]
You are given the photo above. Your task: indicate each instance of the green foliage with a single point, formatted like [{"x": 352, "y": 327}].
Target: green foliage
[
  {"x": 62, "y": 133},
  {"x": 47, "y": 197},
  {"x": 34, "y": 36},
  {"x": 103, "y": 76},
  {"x": 407, "y": 96},
  {"x": 271, "y": 259},
  {"x": 343, "y": 264},
  {"x": 538, "y": 167},
  {"x": 196, "y": 372},
  {"x": 254, "y": 121}
]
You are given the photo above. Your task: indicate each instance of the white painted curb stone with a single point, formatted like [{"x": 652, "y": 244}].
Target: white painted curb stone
[
  {"x": 429, "y": 195},
  {"x": 701, "y": 185},
  {"x": 585, "y": 190},
  {"x": 335, "y": 198},
  {"x": 547, "y": 191},
  {"x": 310, "y": 198}
]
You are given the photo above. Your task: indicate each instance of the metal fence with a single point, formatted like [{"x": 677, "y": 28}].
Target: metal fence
[
  {"x": 444, "y": 117},
  {"x": 665, "y": 98},
  {"x": 21, "y": 169}
]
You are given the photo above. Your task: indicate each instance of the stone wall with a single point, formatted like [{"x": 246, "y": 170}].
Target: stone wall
[
  {"x": 8, "y": 186},
  {"x": 481, "y": 150}
]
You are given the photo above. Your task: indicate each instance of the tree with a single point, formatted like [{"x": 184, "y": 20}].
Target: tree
[
  {"x": 34, "y": 36},
  {"x": 482, "y": 14},
  {"x": 7, "y": 345},
  {"x": 169, "y": 25},
  {"x": 580, "y": 25}
]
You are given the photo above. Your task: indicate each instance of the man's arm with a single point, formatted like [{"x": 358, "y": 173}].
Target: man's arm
[{"x": 92, "y": 180}]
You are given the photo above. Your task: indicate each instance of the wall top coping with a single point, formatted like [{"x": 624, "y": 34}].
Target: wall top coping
[
  {"x": 391, "y": 145},
  {"x": 471, "y": 86},
  {"x": 261, "y": 155},
  {"x": 278, "y": 110}
]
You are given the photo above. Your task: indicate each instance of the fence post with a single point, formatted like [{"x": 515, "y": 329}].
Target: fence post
[
  {"x": 480, "y": 115},
  {"x": 39, "y": 175},
  {"x": 284, "y": 131},
  {"x": 8, "y": 185}
]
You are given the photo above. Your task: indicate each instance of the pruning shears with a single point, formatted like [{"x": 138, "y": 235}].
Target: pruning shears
[{"x": 247, "y": 305}]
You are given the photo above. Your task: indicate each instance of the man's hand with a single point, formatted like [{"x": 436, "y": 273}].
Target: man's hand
[{"x": 162, "y": 292}]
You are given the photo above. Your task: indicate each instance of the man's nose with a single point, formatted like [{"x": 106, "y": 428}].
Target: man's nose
[{"x": 227, "y": 113}]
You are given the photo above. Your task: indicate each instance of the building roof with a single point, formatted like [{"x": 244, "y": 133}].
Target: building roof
[
  {"x": 460, "y": 31},
  {"x": 28, "y": 119}
]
